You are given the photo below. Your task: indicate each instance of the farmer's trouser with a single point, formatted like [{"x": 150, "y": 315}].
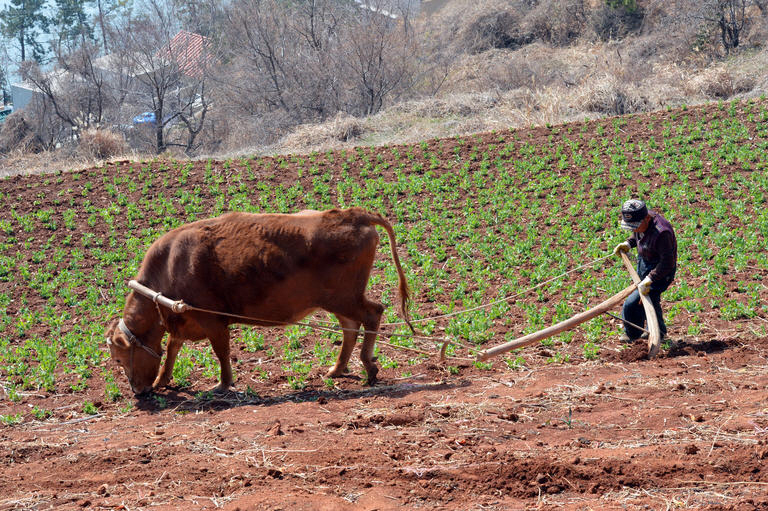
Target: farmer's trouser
[
  {"x": 633, "y": 308},
  {"x": 634, "y": 313}
]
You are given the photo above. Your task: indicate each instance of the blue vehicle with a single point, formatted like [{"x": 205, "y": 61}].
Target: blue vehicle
[{"x": 145, "y": 118}]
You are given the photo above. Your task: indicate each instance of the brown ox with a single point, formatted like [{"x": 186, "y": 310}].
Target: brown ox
[{"x": 272, "y": 267}]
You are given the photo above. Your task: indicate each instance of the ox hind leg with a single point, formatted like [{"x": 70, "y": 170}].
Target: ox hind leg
[
  {"x": 368, "y": 314},
  {"x": 371, "y": 320},
  {"x": 166, "y": 372}
]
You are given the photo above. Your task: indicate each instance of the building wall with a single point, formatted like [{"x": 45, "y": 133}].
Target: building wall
[{"x": 20, "y": 96}]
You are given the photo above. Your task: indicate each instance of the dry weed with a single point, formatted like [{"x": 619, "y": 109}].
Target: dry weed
[
  {"x": 21, "y": 162},
  {"x": 16, "y": 135},
  {"x": 101, "y": 144},
  {"x": 718, "y": 83},
  {"x": 610, "y": 96},
  {"x": 342, "y": 129}
]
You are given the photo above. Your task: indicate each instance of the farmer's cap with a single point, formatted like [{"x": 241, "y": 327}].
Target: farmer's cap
[{"x": 633, "y": 212}]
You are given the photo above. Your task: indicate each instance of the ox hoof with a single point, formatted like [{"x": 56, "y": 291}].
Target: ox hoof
[
  {"x": 335, "y": 372},
  {"x": 221, "y": 389},
  {"x": 371, "y": 376},
  {"x": 159, "y": 384}
]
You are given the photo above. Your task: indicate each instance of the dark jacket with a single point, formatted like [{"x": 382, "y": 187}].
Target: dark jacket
[{"x": 656, "y": 250}]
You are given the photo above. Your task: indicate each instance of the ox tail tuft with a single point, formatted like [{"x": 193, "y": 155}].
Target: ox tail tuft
[{"x": 405, "y": 292}]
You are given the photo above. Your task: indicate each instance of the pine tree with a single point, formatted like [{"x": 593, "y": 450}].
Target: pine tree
[
  {"x": 71, "y": 23},
  {"x": 105, "y": 11},
  {"x": 24, "y": 21}
]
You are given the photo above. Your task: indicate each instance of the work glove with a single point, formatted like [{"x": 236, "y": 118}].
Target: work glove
[
  {"x": 621, "y": 247},
  {"x": 645, "y": 286}
]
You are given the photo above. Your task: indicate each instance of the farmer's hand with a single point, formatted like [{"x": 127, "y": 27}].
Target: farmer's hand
[
  {"x": 645, "y": 286},
  {"x": 621, "y": 247}
]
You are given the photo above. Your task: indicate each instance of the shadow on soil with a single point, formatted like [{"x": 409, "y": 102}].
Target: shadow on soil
[
  {"x": 180, "y": 400},
  {"x": 685, "y": 349}
]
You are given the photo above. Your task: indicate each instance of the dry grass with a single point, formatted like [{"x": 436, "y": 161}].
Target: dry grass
[
  {"x": 343, "y": 128},
  {"x": 101, "y": 144},
  {"x": 566, "y": 84},
  {"x": 611, "y": 96},
  {"x": 21, "y": 162}
]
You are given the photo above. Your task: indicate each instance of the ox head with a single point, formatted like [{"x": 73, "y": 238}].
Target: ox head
[{"x": 139, "y": 361}]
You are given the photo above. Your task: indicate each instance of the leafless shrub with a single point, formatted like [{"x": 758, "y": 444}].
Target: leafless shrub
[
  {"x": 720, "y": 24},
  {"x": 612, "y": 97},
  {"x": 495, "y": 29},
  {"x": 610, "y": 23},
  {"x": 16, "y": 134},
  {"x": 722, "y": 84},
  {"x": 101, "y": 144},
  {"x": 558, "y": 22},
  {"x": 650, "y": 48}
]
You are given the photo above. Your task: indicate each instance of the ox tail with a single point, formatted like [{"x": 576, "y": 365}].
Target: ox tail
[{"x": 405, "y": 292}]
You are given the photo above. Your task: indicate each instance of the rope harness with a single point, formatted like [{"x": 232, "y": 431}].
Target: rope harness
[
  {"x": 134, "y": 342},
  {"x": 179, "y": 306}
]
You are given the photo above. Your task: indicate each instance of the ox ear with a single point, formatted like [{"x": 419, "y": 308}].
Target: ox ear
[{"x": 118, "y": 340}]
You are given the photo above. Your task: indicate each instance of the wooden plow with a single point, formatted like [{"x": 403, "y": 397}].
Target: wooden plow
[{"x": 652, "y": 321}]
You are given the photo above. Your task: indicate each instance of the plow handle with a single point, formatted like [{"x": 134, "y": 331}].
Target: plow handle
[{"x": 654, "y": 332}]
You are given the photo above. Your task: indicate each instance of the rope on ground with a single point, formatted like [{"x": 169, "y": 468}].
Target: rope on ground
[
  {"x": 501, "y": 300},
  {"x": 332, "y": 327}
]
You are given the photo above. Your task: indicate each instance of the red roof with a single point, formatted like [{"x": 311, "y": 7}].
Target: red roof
[{"x": 189, "y": 51}]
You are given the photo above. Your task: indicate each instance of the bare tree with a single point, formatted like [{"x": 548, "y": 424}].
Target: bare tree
[
  {"x": 380, "y": 53},
  {"x": 75, "y": 91},
  {"x": 106, "y": 10},
  {"x": 168, "y": 70},
  {"x": 4, "y": 83},
  {"x": 298, "y": 62},
  {"x": 282, "y": 60},
  {"x": 729, "y": 16}
]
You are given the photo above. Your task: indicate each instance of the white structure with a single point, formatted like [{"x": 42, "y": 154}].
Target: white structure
[
  {"x": 391, "y": 8},
  {"x": 21, "y": 94}
]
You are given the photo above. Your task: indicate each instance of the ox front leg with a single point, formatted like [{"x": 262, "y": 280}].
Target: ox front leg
[
  {"x": 350, "y": 327},
  {"x": 166, "y": 372},
  {"x": 371, "y": 322},
  {"x": 220, "y": 343}
]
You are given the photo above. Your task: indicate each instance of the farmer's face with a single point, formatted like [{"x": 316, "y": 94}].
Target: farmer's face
[{"x": 644, "y": 224}]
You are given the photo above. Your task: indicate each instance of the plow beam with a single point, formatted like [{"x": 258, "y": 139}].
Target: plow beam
[{"x": 559, "y": 327}]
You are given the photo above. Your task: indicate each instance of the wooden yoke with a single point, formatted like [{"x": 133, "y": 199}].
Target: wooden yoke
[
  {"x": 559, "y": 327},
  {"x": 654, "y": 333},
  {"x": 175, "y": 305}
]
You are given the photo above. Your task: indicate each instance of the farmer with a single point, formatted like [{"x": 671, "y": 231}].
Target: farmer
[{"x": 656, "y": 246}]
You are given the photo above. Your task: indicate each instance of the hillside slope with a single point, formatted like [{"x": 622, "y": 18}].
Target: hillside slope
[{"x": 580, "y": 421}]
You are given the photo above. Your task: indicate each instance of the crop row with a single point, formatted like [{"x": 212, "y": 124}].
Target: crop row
[{"x": 478, "y": 218}]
